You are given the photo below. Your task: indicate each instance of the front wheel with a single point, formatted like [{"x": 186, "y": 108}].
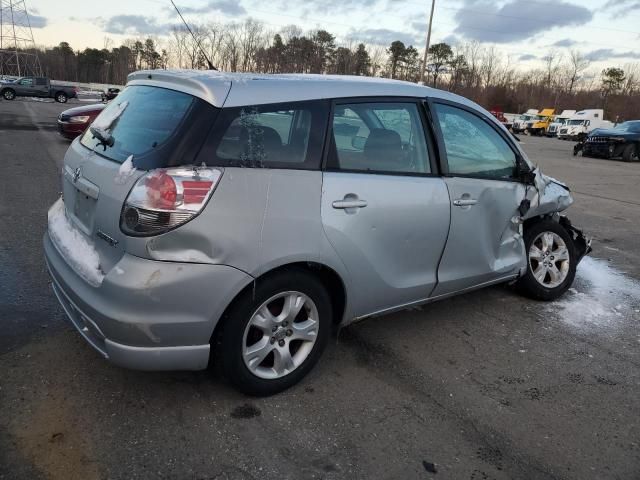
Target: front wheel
[
  {"x": 274, "y": 334},
  {"x": 61, "y": 97},
  {"x": 9, "y": 94},
  {"x": 551, "y": 261},
  {"x": 630, "y": 153}
]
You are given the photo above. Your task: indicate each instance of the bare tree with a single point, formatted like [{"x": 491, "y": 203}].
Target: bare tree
[{"x": 578, "y": 64}]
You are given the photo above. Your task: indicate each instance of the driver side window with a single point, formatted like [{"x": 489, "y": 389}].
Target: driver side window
[{"x": 473, "y": 147}]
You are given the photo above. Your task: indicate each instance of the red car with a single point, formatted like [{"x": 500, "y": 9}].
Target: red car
[{"x": 74, "y": 122}]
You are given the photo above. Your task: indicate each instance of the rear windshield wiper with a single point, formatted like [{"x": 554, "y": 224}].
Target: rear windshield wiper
[{"x": 104, "y": 137}]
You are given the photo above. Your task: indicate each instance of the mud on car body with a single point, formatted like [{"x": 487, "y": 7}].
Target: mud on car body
[{"x": 233, "y": 220}]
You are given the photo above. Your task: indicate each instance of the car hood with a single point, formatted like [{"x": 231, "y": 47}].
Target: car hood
[
  {"x": 85, "y": 110},
  {"x": 610, "y": 132}
]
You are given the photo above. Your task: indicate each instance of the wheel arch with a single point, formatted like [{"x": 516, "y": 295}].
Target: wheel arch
[{"x": 330, "y": 279}]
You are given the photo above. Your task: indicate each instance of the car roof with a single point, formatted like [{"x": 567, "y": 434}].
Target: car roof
[{"x": 240, "y": 89}]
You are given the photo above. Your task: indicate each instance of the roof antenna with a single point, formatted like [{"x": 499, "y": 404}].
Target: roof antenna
[{"x": 211, "y": 67}]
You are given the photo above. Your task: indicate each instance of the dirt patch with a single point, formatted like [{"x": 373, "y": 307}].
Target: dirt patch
[{"x": 45, "y": 426}]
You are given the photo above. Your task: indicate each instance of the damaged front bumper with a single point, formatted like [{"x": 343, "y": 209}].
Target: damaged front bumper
[{"x": 581, "y": 242}]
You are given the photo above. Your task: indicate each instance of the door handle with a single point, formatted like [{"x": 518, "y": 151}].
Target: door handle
[
  {"x": 465, "y": 202},
  {"x": 344, "y": 204}
]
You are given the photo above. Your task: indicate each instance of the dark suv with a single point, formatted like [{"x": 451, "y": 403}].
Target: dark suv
[{"x": 621, "y": 141}]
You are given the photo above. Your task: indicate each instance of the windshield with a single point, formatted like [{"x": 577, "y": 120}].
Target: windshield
[
  {"x": 141, "y": 121},
  {"x": 576, "y": 122},
  {"x": 628, "y": 127},
  {"x": 540, "y": 117}
]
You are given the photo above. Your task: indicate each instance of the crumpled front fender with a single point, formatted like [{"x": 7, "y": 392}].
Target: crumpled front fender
[{"x": 549, "y": 196}]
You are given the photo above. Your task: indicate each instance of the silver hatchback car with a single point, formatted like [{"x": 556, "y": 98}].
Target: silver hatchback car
[{"x": 234, "y": 220}]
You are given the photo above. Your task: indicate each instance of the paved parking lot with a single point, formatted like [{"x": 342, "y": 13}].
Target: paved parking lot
[{"x": 484, "y": 386}]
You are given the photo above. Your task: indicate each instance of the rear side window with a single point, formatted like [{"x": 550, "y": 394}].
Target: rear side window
[
  {"x": 270, "y": 136},
  {"x": 143, "y": 121},
  {"x": 385, "y": 137}
]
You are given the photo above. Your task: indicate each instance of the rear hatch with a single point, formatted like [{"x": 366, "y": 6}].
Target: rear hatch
[{"x": 144, "y": 128}]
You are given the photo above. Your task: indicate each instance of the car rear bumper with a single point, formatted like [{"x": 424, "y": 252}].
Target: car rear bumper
[{"x": 163, "y": 323}]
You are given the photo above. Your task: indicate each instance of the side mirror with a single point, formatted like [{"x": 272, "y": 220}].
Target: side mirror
[
  {"x": 523, "y": 172},
  {"x": 358, "y": 142}
]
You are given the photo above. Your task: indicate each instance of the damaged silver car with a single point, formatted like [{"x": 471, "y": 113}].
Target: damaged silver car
[{"x": 234, "y": 220}]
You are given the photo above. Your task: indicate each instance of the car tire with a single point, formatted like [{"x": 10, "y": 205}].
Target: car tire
[
  {"x": 551, "y": 261},
  {"x": 8, "y": 94},
  {"x": 61, "y": 97},
  {"x": 253, "y": 320},
  {"x": 630, "y": 153}
]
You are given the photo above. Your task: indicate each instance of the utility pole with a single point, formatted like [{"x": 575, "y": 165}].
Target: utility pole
[
  {"x": 426, "y": 49},
  {"x": 18, "y": 53}
]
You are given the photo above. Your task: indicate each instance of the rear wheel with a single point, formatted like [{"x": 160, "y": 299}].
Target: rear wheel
[
  {"x": 630, "y": 153},
  {"x": 8, "y": 94},
  {"x": 61, "y": 97},
  {"x": 551, "y": 261},
  {"x": 274, "y": 334}
]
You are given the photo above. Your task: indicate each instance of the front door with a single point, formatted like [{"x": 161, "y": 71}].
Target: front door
[
  {"x": 384, "y": 211},
  {"x": 485, "y": 239}
]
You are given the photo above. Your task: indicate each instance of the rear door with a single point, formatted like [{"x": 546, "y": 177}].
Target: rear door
[
  {"x": 384, "y": 209},
  {"x": 485, "y": 240}
]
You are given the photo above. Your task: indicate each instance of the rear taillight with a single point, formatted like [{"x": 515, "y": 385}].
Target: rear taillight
[{"x": 164, "y": 199}]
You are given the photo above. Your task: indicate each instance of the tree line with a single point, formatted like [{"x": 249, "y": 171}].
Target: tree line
[{"x": 480, "y": 72}]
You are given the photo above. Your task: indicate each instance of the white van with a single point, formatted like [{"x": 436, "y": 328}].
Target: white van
[
  {"x": 558, "y": 122},
  {"x": 582, "y": 123}
]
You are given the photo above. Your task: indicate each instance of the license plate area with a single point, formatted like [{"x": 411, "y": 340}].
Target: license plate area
[{"x": 83, "y": 211}]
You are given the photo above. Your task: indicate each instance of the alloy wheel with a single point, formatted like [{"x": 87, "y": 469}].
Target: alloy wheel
[
  {"x": 280, "y": 335},
  {"x": 549, "y": 259}
]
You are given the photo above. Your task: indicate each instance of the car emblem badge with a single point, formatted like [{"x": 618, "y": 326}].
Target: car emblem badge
[{"x": 77, "y": 173}]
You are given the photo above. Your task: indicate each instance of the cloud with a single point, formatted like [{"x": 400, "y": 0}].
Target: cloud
[
  {"x": 451, "y": 40},
  {"x": 37, "y": 21},
  {"x": 609, "y": 53},
  {"x": 382, "y": 36},
  {"x": 516, "y": 20},
  {"x": 618, "y": 8},
  {"x": 324, "y": 6},
  {"x": 228, "y": 7},
  {"x": 134, "y": 25},
  {"x": 565, "y": 42},
  {"x": 526, "y": 57}
]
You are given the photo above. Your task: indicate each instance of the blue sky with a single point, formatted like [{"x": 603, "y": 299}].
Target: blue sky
[{"x": 608, "y": 30}]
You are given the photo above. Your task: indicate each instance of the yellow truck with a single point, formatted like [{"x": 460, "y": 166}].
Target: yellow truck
[{"x": 539, "y": 124}]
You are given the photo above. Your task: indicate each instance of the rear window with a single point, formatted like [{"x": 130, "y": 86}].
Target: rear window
[
  {"x": 143, "y": 121},
  {"x": 270, "y": 136}
]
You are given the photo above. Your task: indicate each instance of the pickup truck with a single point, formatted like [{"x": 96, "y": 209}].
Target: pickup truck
[{"x": 36, "y": 87}]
